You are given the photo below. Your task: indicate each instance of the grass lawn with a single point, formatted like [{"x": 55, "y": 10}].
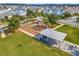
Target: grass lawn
[
  {"x": 20, "y": 44},
  {"x": 72, "y": 33}
]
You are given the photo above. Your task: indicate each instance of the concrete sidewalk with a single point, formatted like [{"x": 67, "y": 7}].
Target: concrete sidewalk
[
  {"x": 58, "y": 26},
  {"x": 26, "y": 32}
]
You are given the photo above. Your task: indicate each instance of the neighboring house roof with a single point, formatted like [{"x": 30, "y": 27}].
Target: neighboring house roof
[
  {"x": 55, "y": 11},
  {"x": 53, "y": 34},
  {"x": 39, "y": 18},
  {"x": 3, "y": 25},
  {"x": 9, "y": 12}
]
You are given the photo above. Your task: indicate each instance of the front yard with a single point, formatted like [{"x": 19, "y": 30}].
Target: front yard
[
  {"x": 24, "y": 45},
  {"x": 72, "y": 33}
]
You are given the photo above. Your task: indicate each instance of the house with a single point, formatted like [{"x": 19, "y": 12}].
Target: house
[
  {"x": 3, "y": 27},
  {"x": 52, "y": 37},
  {"x": 55, "y": 11},
  {"x": 39, "y": 18}
]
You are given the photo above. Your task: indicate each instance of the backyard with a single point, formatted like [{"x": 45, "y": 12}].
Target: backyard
[
  {"x": 21, "y": 44},
  {"x": 72, "y": 33}
]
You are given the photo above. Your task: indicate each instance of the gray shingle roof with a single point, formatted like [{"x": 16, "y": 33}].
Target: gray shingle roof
[{"x": 53, "y": 34}]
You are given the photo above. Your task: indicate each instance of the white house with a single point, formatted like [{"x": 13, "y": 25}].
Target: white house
[{"x": 52, "y": 37}]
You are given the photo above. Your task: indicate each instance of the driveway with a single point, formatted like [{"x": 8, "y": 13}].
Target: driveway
[{"x": 69, "y": 21}]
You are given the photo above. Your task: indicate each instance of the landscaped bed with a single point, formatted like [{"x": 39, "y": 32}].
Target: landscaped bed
[
  {"x": 72, "y": 33},
  {"x": 22, "y": 44}
]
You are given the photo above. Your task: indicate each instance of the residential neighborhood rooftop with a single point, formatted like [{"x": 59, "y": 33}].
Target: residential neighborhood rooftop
[{"x": 53, "y": 34}]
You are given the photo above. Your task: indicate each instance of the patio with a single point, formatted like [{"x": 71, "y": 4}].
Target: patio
[{"x": 33, "y": 27}]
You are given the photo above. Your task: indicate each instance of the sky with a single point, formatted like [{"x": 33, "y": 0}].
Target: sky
[{"x": 41, "y": 1}]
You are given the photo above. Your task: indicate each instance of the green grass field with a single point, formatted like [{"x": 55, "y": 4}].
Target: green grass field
[
  {"x": 20, "y": 44},
  {"x": 72, "y": 33}
]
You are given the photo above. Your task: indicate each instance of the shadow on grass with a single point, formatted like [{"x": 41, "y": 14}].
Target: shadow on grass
[{"x": 42, "y": 42}]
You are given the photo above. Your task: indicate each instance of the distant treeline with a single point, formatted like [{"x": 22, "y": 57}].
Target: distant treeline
[{"x": 39, "y": 4}]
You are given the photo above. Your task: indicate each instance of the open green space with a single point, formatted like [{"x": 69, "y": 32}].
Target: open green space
[
  {"x": 20, "y": 44},
  {"x": 72, "y": 33}
]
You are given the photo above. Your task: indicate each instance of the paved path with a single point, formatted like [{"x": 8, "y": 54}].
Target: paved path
[
  {"x": 72, "y": 44},
  {"x": 26, "y": 32},
  {"x": 67, "y": 44},
  {"x": 58, "y": 26}
]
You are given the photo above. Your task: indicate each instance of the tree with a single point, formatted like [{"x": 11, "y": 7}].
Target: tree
[
  {"x": 46, "y": 21},
  {"x": 66, "y": 15},
  {"x": 21, "y": 18},
  {"x": 29, "y": 12},
  {"x": 76, "y": 14},
  {"x": 14, "y": 23},
  {"x": 5, "y": 19},
  {"x": 52, "y": 19}
]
